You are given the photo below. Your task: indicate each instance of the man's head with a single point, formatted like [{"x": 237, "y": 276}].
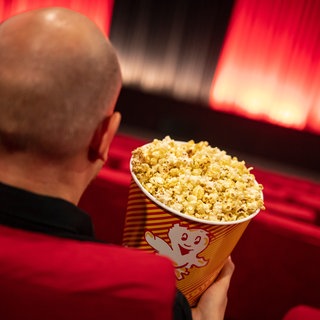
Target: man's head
[{"x": 59, "y": 78}]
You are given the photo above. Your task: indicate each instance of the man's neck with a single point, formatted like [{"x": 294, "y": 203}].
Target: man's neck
[{"x": 43, "y": 177}]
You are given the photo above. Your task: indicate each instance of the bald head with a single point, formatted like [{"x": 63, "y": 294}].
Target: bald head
[{"x": 59, "y": 77}]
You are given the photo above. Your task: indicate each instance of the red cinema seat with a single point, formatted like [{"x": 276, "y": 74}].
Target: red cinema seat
[
  {"x": 106, "y": 197},
  {"x": 302, "y": 312},
  {"x": 105, "y": 200},
  {"x": 277, "y": 267},
  {"x": 120, "y": 151},
  {"x": 49, "y": 278}
]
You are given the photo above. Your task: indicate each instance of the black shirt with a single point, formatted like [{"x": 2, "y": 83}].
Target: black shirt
[{"x": 54, "y": 216}]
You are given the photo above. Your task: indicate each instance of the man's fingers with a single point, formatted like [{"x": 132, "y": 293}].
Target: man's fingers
[
  {"x": 225, "y": 274},
  {"x": 227, "y": 269}
]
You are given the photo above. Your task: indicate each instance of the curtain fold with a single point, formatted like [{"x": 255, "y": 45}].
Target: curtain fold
[
  {"x": 170, "y": 48},
  {"x": 263, "y": 63},
  {"x": 99, "y": 11},
  {"x": 269, "y": 68}
]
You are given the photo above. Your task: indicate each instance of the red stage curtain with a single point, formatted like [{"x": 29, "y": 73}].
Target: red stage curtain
[
  {"x": 99, "y": 11},
  {"x": 269, "y": 68}
]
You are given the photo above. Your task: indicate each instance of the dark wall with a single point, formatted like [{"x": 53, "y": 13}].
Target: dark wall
[{"x": 181, "y": 120}]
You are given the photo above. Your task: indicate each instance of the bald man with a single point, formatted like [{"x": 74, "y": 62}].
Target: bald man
[{"x": 59, "y": 82}]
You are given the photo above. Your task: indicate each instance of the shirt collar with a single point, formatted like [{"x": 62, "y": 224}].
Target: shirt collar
[{"x": 27, "y": 210}]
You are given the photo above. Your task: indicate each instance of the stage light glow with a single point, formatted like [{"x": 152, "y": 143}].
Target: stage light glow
[
  {"x": 100, "y": 11},
  {"x": 269, "y": 67}
]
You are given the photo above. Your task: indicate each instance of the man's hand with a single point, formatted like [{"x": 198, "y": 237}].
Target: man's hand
[{"x": 213, "y": 302}]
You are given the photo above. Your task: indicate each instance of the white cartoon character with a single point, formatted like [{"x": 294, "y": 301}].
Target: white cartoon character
[{"x": 186, "y": 244}]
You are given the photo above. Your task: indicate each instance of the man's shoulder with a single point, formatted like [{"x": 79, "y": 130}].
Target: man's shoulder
[
  {"x": 116, "y": 280},
  {"x": 74, "y": 258}
]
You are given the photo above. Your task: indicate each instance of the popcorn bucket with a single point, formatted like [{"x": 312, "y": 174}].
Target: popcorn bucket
[{"x": 198, "y": 248}]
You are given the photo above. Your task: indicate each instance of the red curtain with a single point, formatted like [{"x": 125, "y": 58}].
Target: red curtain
[
  {"x": 99, "y": 11},
  {"x": 269, "y": 68}
]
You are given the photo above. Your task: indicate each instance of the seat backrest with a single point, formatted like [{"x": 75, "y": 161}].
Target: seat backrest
[
  {"x": 46, "y": 277},
  {"x": 105, "y": 200},
  {"x": 277, "y": 267},
  {"x": 302, "y": 312}
]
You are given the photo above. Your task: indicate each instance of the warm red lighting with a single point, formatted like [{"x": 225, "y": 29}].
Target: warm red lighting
[
  {"x": 99, "y": 11},
  {"x": 269, "y": 67}
]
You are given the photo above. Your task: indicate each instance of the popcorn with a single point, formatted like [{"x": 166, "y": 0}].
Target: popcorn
[{"x": 197, "y": 179}]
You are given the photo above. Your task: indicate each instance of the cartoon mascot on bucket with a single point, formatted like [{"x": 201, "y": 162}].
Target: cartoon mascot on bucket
[{"x": 186, "y": 244}]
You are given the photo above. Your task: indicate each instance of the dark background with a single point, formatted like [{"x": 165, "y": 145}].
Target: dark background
[{"x": 191, "y": 34}]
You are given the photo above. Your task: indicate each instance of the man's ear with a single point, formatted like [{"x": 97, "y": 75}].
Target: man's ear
[{"x": 103, "y": 136}]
